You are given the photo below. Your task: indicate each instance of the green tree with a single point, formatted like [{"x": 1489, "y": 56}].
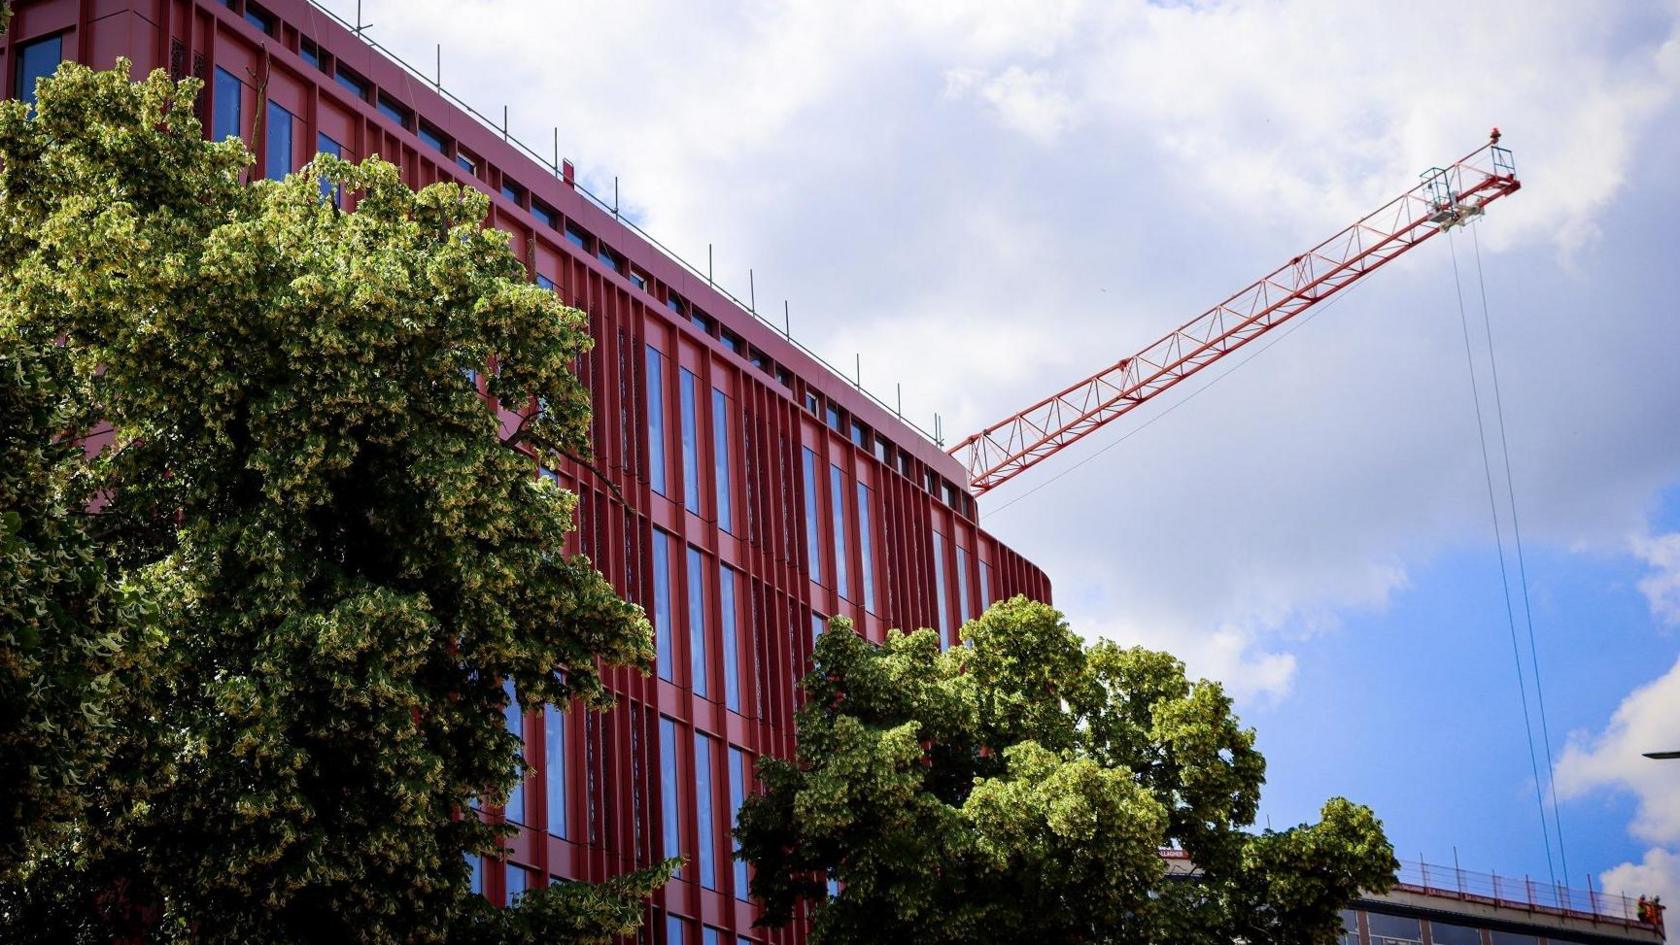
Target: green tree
[
  {"x": 72, "y": 640},
  {"x": 331, "y": 551},
  {"x": 1022, "y": 788}
]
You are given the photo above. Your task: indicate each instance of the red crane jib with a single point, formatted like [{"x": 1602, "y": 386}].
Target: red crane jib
[{"x": 1444, "y": 198}]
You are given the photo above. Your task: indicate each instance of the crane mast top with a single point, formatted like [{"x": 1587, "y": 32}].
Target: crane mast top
[{"x": 1443, "y": 198}]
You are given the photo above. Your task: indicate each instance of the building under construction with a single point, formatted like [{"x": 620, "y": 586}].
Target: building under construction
[{"x": 745, "y": 491}]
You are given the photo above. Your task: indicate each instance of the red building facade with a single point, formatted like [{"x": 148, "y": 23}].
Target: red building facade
[{"x": 757, "y": 492}]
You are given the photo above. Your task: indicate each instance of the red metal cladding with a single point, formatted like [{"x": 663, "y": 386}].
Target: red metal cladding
[
  {"x": 1445, "y": 197},
  {"x": 700, "y": 468}
]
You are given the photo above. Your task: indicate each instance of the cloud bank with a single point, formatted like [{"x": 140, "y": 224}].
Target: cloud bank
[{"x": 987, "y": 201}]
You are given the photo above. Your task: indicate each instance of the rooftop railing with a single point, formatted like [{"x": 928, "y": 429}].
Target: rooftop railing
[{"x": 1521, "y": 892}]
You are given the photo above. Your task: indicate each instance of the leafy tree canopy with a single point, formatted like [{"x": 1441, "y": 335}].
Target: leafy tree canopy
[
  {"x": 317, "y": 557},
  {"x": 1022, "y": 788}
]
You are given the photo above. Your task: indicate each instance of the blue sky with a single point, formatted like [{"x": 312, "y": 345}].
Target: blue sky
[{"x": 989, "y": 200}]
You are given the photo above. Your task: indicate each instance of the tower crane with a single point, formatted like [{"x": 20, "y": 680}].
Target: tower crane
[{"x": 1443, "y": 198}]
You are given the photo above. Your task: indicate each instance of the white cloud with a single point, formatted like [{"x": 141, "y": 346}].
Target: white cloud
[
  {"x": 1658, "y": 874},
  {"x": 989, "y": 201},
  {"x": 1613, "y": 760},
  {"x": 1662, "y": 586},
  {"x": 1032, "y": 103},
  {"x": 1647, "y": 720}
]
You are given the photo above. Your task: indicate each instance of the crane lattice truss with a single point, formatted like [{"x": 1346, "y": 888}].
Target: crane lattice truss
[{"x": 1444, "y": 197}]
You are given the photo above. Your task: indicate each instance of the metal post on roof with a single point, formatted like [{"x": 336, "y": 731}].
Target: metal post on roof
[
  {"x": 504, "y": 123},
  {"x": 438, "y": 80},
  {"x": 858, "y": 369},
  {"x": 1592, "y": 897},
  {"x": 556, "y": 150},
  {"x": 752, "y": 292},
  {"x": 900, "y": 408},
  {"x": 358, "y": 18},
  {"x": 709, "y": 265},
  {"x": 787, "y": 320},
  {"x": 1459, "y": 870}
]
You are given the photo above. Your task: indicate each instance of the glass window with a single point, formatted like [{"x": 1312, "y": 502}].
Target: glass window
[
  {"x": 738, "y": 779},
  {"x": 702, "y": 321},
  {"x": 515, "y": 810},
  {"x": 278, "y": 159},
  {"x": 1512, "y": 938},
  {"x": 670, "y": 788},
  {"x": 513, "y": 192},
  {"x": 1443, "y": 934},
  {"x": 963, "y": 614},
  {"x": 860, "y": 434},
  {"x": 837, "y": 508},
  {"x": 352, "y": 81},
  {"x": 732, "y": 341},
  {"x": 697, "y": 620},
  {"x": 720, "y": 459},
  {"x": 662, "y": 605},
  {"x": 866, "y": 546},
  {"x": 554, "y": 768},
  {"x": 546, "y": 215},
  {"x": 985, "y": 586},
  {"x": 690, "y": 441},
  {"x": 433, "y": 137},
  {"x": 575, "y": 236},
  {"x": 705, "y": 829},
  {"x": 310, "y": 53},
  {"x": 608, "y": 258},
  {"x": 475, "y": 873},
  {"x": 518, "y": 880},
  {"x": 545, "y": 282},
  {"x": 1393, "y": 929},
  {"x": 466, "y": 162},
  {"x": 674, "y": 302},
  {"x": 638, "y": 280},
  {"x": 260, "y": 18},
  {"x": 835, "y": 418},
  {"x": 226, "y": 121},
  {"x": 674, "y": 930},
  {"x": 818, "y": 625},
  {"x": 731, "y": 656},
  {"x": 324, "y": 144},
  {"x": 710, "y": 936},
  {"x": 939, "y": 591},
  {"x": 656, "y": 419},
  {"x": 813, "y": 543},
  {"x": 395, "y": 111},
  {"x": 1350, "y": 929},
  {"x": 39, "y": 59}
]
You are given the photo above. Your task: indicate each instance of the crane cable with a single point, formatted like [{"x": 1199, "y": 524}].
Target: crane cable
[
  {"x": 1499, "y": 546},
  {"x": 1522, "y": 566}
]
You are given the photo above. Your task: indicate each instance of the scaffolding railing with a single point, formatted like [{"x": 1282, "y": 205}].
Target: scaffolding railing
[
  {"x": 556, "y": 163},
  {"x": 1523, "y": 892}
]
